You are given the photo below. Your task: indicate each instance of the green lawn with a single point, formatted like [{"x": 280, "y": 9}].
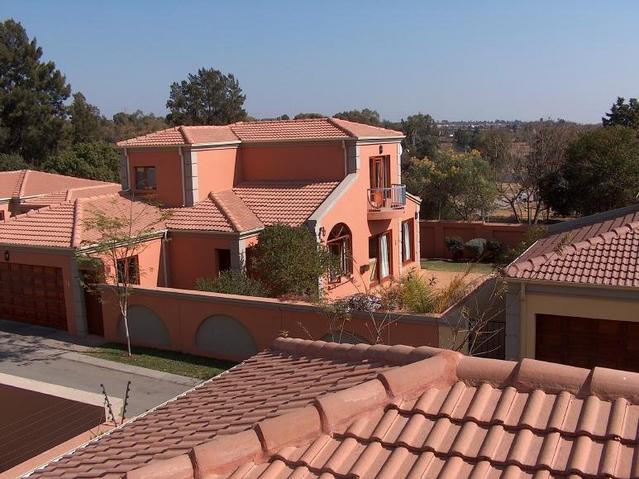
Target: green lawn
[
  {"x": 456, "y": 267},
  {"x": 167, "y": 361}
]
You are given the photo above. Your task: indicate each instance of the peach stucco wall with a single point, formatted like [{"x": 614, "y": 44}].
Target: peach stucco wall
[
  {"x": 352, "y": 209},
  {"x": 217, "y": 170},
  {"x": 149, "y": 261},
  {"x": 182, "y": 313},
  {"x": 61, "y": 260},
  {"x": 192, "y": 256},
  {"x": 168, "y": 172},
  {"x": 293, "y": 161}
]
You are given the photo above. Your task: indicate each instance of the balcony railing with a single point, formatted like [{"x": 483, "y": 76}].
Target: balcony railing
[{"x": 387, "y": 198}]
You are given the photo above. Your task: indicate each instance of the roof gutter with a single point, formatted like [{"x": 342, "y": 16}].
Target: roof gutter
[{"x": 542, "y": 282}]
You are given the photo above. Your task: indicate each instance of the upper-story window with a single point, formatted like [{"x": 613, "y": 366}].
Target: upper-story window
[
  {"x": 380, "y": 171},
  {"x": 145, "y": 178}
]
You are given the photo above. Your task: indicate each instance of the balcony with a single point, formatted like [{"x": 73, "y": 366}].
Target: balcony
[{"x": 386, "y": 203}]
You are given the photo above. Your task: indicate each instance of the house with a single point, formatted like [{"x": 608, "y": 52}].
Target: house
[
  {"x": 40, "y": 276},
  {"x": 223, "y": 185},
  {"x": 305, "y": 409},
  {"x": 573, "y": 296},
  {"x": 25, "y": 190},
  {"x": 340, "y": 179}
]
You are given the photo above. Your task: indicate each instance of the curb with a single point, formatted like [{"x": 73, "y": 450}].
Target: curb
[{"x": 125, "y": 368}]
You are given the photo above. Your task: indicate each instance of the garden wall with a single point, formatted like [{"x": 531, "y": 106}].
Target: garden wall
[
  {"x": 433, "y": 233},
  {"x": 236, "y": 327}
]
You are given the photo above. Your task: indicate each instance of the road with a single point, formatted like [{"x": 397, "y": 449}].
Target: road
[{"x": 38, "y": 353}]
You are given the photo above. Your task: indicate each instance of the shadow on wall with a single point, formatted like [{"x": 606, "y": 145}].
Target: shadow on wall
[
  {"x": 145, "y": 328},
  {"x": 224, "y": 336}
]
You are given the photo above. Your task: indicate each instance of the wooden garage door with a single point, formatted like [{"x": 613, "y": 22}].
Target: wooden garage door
[
  {"x": 32, "y": 294},
  {"x": 587, "y": 342}
]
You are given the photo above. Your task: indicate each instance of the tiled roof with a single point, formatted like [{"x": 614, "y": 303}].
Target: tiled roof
[
  {"x": 361, "y": 130},
  {"x": 63, "y": 225},
  {"x": 221, "y": 211},
  {"x": 257, "y": 131},
  {"x": 601, "y": 249},
  {"x": 309, "y": 409},
  {"x": 71, "y": 194},
  {"x": 26, "y": 183},
  {"x": 288, "y": 202}
]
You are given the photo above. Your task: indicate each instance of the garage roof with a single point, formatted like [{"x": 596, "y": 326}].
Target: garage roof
[
  {"x": 63, "y": 225},
  {"x": 314, "y": 409},
  {"x": 30, "y": 183},
  {"x": 600, "y": 249}
]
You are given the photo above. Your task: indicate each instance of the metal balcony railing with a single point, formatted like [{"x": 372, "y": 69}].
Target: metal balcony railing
[{"x": 387, "y": 198}]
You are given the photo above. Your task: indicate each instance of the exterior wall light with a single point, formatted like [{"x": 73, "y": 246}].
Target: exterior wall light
[
  {"x": 6, "y": 255},
  {"x": 381, "y": 149}
]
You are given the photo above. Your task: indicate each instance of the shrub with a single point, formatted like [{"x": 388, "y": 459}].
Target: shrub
[
  {"x": 533, "y": 234},
  {"x": 417, "y": 295},
  {"x": 290, "y": 261},
  {"x": 494, "y": 249},
  {"x": 358, "y": 302},
  {"x": 446, "y": 297},
  {"x": 476, "y": 248},
  {"x": 455, "y": 246},
  {"x": 233, "y": 282}
]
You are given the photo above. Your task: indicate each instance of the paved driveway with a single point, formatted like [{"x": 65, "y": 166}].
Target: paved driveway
[{"x": 43, "y": 354}]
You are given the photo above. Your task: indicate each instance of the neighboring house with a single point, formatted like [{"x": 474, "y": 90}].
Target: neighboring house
[
  {"x": 25, "y": 190},
  {"x": 573, "y": 296},
  {"x": 40, "y": 279},
  {"x": 340, "y": 179},
  {"x": 305, "y": 409}
]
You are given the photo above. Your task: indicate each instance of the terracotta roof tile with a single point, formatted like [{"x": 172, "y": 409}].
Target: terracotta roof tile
[
  {"x": 61, "y": 225},
  {"x": 221, "y": 211},
  {"x": 27, "y": 183},
  {"x": 411, "y": 413},
  {"x": 257, "y": 131},
  {"x": 287, "y": 202},
  {"x": 603, "y": 249}
]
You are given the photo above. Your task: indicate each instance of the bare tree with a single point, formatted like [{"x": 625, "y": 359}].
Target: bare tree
[{"x": 117, "y": 231}]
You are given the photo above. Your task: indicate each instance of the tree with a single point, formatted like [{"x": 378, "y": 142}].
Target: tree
[
  {"x": 12, "y": 162},
  {"x": 601, "y": 172},
  {"x": 95, "y": 161},
  {"x": 454, "y": 185},
  {"x": 87, "y": 124},
  {"x": 208, "y": 97},
  {"x": 421, "y": 135},
  {"x": 308, "y": 116},
  {"x": 129, "y": 125},
  {"x": 623, "y": 114},
  {"x": 120, "y": 233},
  {"x": 524, "y": 172},
  {"x": 32, "y": 97},
  {"x": 289, "y": 260},
  {"x": 366, "y": 116}
]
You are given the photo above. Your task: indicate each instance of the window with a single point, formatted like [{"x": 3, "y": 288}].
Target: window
[
  {"x": 145, "y": 178},
  {"x": 380, "y": 180},
  {"x": 407, "y": 241},
  {"x": 223, "y": 260},
  {"x": 379, "y": 249},
  {"x": 128, "y": 270},
  {"x": 339, "y": 244},
  {"x": 1, "y": 215}
]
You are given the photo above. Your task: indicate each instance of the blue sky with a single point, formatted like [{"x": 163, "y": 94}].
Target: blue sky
[{"x": 457, "y": 60}]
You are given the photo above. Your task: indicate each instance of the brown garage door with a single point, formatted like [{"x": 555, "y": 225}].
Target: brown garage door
[
  {"x": 587, "y": 342},
  {"x": 32, "y": 294}
]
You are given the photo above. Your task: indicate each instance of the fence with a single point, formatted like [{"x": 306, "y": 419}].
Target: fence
[{"x": 432, "y": 234}]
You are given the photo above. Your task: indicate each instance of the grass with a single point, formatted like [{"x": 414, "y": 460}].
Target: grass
[
  {"x": 456, "y": 267},
  {"x": 166, "y": 361}
]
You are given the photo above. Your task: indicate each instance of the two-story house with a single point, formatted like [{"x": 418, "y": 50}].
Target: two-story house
[
  {"x": 340, "y": 179},
  {"x": 224, "y": 184}
]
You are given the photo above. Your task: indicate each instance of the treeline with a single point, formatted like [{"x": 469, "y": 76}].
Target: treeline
[
  {"x": 44, "y": 125},
  {"x": 534, "y": 171}
]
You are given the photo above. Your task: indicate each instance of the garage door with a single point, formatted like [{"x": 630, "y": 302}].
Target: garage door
[
  {"x": 32, "y": 294},
  {"x": 587, "y": 342}
]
